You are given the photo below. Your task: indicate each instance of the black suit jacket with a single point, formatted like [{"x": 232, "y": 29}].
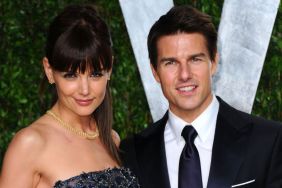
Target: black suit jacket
[{"x": 245, "y": 149}]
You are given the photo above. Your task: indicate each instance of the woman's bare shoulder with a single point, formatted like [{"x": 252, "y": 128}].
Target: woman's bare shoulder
[
  {"x": 23, "y": 155},
  {"x": 28, "y": 140},
  {"x": 116, "y": 137}
]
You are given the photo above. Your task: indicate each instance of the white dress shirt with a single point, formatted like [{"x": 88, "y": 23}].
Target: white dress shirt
[{"x": 174, "y": 142}]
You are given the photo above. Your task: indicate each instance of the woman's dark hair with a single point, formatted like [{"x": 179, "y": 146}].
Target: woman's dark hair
[
  {"x": 182, "y": 19},
  {"x": 79, "y": 39}
]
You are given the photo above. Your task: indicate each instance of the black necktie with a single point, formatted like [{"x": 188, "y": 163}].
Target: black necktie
[{"x": 189, "y": 165}]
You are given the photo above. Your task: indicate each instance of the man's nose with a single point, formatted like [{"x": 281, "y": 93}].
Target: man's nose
[{"x": 184, "y": 71}]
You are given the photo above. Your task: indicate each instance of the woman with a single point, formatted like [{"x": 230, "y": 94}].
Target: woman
[{"x": 72, "y": 145}]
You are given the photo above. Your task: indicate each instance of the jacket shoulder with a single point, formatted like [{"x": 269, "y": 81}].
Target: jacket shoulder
[{"x": 238, "y": 117}]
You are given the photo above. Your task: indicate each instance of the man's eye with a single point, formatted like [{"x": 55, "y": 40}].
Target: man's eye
[
  {"x": 69, "y": 75},
  {"x": 196, "y": 59},
  {"x": 169, "y": 62}
]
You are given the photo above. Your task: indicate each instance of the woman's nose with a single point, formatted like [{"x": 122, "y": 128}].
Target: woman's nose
[{"x": 84, "y": 85}]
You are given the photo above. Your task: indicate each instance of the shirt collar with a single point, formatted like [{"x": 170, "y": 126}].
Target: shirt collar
[
  {"x": 176, "y": 125},
  {"x": 204, "y": 124}
]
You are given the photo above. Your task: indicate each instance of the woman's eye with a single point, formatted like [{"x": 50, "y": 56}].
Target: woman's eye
[
  {"x": 97, "y": 74},
  {"x": 70, "y": 75}
]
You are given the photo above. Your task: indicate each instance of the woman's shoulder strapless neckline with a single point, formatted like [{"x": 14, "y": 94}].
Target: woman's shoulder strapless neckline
[{"x": 109, "y": 178}]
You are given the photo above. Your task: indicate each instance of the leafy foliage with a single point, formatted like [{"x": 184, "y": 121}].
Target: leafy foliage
[
  {"x": 23, "y": 26},
  {"x": 268, "y": 101}
]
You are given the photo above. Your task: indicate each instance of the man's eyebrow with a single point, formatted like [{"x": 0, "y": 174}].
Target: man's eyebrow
[
  {"x": 198, "y": 55},
  {"x": 164, "y": 59}
]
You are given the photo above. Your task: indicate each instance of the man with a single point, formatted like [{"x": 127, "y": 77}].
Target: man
[{"x": 229, "y": 148}]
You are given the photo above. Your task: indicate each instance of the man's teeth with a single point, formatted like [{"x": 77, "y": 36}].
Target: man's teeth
[{"x": 189, "y": 88}]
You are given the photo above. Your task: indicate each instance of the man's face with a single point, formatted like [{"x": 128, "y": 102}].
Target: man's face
[{"x": 184, "y": 70}]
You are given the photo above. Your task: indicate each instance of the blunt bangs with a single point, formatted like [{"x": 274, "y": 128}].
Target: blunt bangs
[{"x": 80, "y": 49}]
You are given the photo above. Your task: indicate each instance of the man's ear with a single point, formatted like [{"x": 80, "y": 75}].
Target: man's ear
[
  {"x": 214, "y": 64},
  {"x": 155, "y": 73},
  {"x": 48, "y": 70}
]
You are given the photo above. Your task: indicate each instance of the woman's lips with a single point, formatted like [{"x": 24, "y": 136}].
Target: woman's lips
[{"x": 84, "y": 102}]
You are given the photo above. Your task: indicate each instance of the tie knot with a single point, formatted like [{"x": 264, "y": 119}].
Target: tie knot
[{"x": 189, "y": 134}]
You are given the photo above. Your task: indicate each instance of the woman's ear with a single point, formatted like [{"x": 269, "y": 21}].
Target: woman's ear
[
  {"x": 48, "y": 70},
  {"x": 109, "y": 74},
  {"x": 110, "y": 71}
]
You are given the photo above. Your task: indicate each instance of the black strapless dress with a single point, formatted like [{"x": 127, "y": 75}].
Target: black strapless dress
[{"x": 109, "y": 178}]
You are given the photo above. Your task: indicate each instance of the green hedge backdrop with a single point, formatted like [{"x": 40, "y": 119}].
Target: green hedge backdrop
[{"x": 23, "y": 26}]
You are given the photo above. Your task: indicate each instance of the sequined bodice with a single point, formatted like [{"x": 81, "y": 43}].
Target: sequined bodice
[{"x": 109, "y": 178}]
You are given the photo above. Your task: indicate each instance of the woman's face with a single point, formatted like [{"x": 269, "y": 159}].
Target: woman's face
[{"x": 78, "y": 92}]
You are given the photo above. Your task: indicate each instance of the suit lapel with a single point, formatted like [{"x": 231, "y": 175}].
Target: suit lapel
[
  {"x": 151, "y": 156},
  {"x": 230, "y": 142}
]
